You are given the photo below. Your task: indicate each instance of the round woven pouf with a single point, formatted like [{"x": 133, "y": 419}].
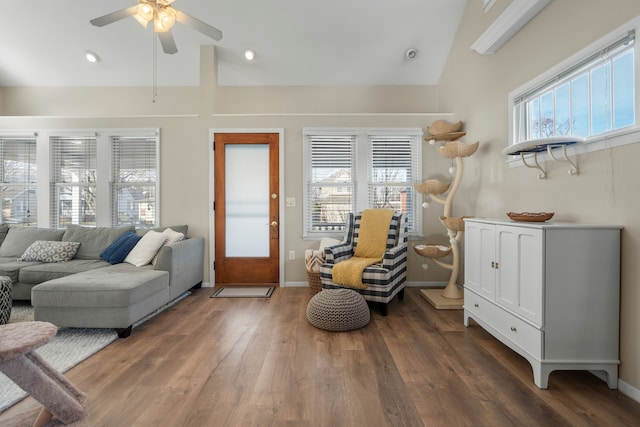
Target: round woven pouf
[
  {"x": 338, "y": 310},
  {"x": 5, "y": 299}
]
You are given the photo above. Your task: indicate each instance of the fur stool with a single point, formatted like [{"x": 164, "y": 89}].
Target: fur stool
[
  {"x": 60, "y": 398},
  {"x": 338, "y": 310}
]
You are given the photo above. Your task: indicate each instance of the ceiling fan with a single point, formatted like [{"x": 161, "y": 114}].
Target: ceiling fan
[{"x": 163, "y": 16}]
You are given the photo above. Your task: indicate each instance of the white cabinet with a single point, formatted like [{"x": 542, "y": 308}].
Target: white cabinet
[{"x": 549, "y": 291}]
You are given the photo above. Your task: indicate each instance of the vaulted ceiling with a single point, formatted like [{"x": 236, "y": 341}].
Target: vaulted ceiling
[{"x": 297, "y": 42}]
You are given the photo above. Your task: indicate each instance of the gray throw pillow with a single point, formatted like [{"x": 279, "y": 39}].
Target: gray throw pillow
[
  {"x": 48, "y": 251},
  {"x": 20, "y": 238}
]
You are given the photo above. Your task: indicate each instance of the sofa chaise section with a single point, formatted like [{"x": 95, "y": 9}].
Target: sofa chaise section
[{"x": 110, "y": 297}]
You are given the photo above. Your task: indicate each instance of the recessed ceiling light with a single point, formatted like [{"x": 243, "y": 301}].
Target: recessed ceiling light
[
  {"x": 411, "y": 53},
  {"x": 249, "y": 55},
  {"x": 92, "y": 57}
]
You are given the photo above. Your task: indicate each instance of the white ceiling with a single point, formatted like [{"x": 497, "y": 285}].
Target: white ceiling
[{"x": 297, "y": 42}]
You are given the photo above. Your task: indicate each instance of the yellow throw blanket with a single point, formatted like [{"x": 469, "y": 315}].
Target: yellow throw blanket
[{"x": 372, "y": 243}]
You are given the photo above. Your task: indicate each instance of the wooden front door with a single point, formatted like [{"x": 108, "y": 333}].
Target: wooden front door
[{"x": 247, "y": 219}]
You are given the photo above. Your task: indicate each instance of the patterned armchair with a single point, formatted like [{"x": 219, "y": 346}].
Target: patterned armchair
[{"x": 385, "y": 280}]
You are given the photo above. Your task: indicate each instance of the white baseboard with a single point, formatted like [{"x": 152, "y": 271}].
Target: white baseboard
[{"x": 629, "y": 390}]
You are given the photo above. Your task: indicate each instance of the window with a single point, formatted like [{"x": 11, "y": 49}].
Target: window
[
  {"x": 18, "y": 186},
  {"x": 134, "y": 172},
  {"x": 105, "y": 177},
  {"x": 348, "y": 170},
  {"x": 73, "y": 181},
  {"x": 592, "y": 94}
]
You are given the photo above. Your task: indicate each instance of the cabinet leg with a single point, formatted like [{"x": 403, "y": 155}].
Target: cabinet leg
[
  {"x": 612, "y": 377},
  {"x": 541, "y": 375}
]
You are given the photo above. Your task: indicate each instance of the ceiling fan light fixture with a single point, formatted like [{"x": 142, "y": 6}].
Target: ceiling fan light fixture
[
  {"x": 144, "y": 14},
  {"x": 165, "y": 18}
]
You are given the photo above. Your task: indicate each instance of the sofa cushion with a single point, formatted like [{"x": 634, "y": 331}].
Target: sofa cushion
[
  {"x": 12, "y": 268},
  {"x": 4, "y": 229},
  {"x": 145, "y": 249},
  {"x": 48, "y": 251},
  {"x": 20, "y": 238},
  {"x": 93, "y": 240},
  {"x": 117, "y": 251},
  {"x": 39, "y": 273},
  {"x": 119, "y": 285}
]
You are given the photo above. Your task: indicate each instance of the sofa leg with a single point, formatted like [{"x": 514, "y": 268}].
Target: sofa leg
[
  {"x": 197, "y": 286},
  {"x": 384, "y": 309},
  {"x": 401, "y": 294},
  {"x": 124, "y": 332}
]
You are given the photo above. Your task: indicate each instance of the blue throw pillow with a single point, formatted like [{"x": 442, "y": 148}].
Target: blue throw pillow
[{"x": 117, "y": 251}]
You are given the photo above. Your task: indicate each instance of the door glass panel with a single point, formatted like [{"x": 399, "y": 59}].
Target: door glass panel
[{"x": 247, "y": 200}]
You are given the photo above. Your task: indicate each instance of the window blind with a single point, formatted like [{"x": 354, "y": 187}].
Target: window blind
[
  {"x": 73, "y": 181},
  {"x": 331, "y": 186},
  {"x": 134, "y": 176},
  {"x": 624, "y": 42},
  {"x": 18, "y": 186},
  {"x": 393, "y": 162}
]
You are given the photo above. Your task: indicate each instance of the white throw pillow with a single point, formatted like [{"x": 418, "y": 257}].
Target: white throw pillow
[
  {"x": 171, "y": 237},
  {"x": 144, "y": 251}
]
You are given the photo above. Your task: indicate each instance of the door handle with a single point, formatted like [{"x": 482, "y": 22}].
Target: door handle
[{"x": 274, "y": 224}]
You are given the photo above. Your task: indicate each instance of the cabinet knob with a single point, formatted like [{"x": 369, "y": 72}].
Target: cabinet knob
[
  {"x": 513, "y": 329},
  {"x": 496, "y": 265},
  {"x": 493, "y": 264},
  {"x": 476, "y": 305}
]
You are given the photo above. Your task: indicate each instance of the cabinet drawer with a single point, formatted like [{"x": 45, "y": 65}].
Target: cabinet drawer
[{"x": 506, "y": 324}]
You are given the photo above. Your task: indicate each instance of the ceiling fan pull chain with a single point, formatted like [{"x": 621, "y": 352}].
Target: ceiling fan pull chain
[{"x": 155, "y": 67}]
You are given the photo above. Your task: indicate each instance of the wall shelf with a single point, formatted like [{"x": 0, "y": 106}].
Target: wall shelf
[{"x": 535, "y": 146}]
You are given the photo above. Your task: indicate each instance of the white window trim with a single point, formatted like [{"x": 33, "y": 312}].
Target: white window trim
[
  {"x": 360, "y": 170},
  {"x": 103, "y": 148},
  {"x": 611, "y": 139}
]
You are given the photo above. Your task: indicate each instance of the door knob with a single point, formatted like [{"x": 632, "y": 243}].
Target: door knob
[
  {"x": 274, "y": 224},
  {"x": 274, "y": 196}
]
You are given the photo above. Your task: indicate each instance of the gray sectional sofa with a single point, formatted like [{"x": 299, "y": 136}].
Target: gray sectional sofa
[{"x": 88, "y": 292}]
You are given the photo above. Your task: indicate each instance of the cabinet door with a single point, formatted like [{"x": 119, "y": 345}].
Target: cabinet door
[
  {"x": 520, "y": 270},
  {"x": 479, "y": 258}
]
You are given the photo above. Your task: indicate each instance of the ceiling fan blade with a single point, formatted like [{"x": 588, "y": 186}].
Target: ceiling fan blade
[
  {"x": 114, "y": 16},
  {"x": 198, "y": 25},
  {"x": 167, "y": 42}
]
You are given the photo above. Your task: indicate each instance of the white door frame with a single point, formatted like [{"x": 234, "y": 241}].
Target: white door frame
[{"x": 281, "y": 229}]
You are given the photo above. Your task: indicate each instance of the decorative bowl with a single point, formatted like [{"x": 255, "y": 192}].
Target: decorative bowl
[{"x": 530, "y": 216}]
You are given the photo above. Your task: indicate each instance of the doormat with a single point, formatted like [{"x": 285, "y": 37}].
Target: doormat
[{"x": 243, "y": 292}]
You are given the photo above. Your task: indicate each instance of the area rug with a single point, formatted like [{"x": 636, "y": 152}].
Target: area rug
[
  {"x": 243, "y": 292},
  {"x": 68, "y": 348}
]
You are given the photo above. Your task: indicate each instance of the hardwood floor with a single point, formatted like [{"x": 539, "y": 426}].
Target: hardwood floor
[{"x": 258, "y": 362}]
